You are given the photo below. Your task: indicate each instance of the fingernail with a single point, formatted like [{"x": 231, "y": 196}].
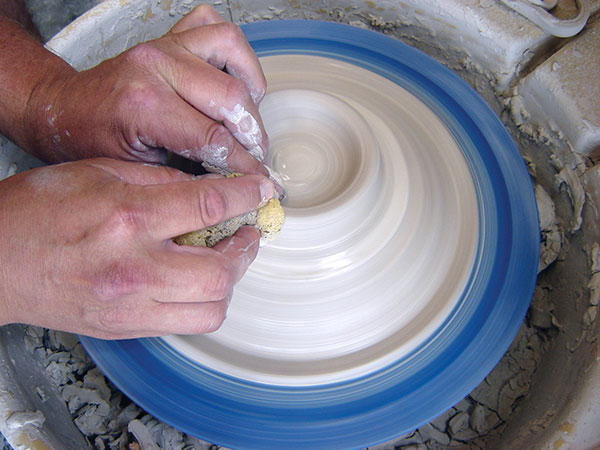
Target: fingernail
[
  {"x": 257, "y": 153},
  {"x": 280, "y": 192},
  {"x": 278, "y": 180},
  {"x": 267, "y": 190},
  {"x": 266, "y": 144},
  {"x": 257, "y": 95}
]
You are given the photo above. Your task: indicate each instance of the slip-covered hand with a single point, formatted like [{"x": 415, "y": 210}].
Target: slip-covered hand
[{"x": 193, "y": 92}]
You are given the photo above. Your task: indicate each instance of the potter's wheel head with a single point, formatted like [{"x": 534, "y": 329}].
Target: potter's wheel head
[
  {"x": 381, "y": 234},
  {"x": 403, "y": 271}
]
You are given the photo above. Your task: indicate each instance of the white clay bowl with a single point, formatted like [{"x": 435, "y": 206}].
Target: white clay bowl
[{"x": 380, "y": 234}]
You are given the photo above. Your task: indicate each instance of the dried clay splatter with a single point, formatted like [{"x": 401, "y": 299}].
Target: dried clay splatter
[{"x": 247, "y": 131}]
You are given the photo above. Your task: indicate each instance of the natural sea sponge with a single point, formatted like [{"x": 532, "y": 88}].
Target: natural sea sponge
[{"x": 268, "y": 219}]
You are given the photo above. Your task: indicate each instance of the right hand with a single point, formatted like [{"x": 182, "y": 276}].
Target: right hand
[{"x": 86, "y": 248}]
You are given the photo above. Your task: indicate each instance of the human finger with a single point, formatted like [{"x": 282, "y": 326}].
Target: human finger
[
  {"x": 199, "y": 274},
  {"x": 187, "y": 131},
  {"x": 199, "y": 16},
  {"x": 241, "y": 248},
  {"x": 187, "y": 318},
  {"x": 134, "y": 318},
  {"x": 220, "y": 97},
  {"x": 172, "y": 209},
  {"x": 224, "y": 46}
]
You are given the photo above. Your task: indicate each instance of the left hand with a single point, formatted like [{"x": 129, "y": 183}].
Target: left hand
[{"x": 194, "y": 92}]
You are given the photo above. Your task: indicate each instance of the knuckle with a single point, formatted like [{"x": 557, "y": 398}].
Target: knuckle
[
  {"x": 212, "y": 205},
  {"x": 110, "y": 321},
  {"x": 219, "y": 283},
  {"x": 204, "y": 10},
  {"x": 137, "y": 89},
  {"x": 143, "y": 54},
  {"x": 125, "y": 220},
  {"x": 137, "y": 96},
  {"x": 232, "y": 34},
  {"x": 218, "y": 135},
  {"x": 237, "y": 91},
  {"x": 209, "y": 319},
  {"x": 117, "y": 280}
]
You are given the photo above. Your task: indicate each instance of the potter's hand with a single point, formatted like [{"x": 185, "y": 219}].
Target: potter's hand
[
  {"x": 85, "y": 247},
  {"x": 193, "y": 92}
]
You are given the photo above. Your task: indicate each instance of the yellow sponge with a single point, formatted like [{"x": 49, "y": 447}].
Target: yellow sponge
[{"x": 268, "y": 219}]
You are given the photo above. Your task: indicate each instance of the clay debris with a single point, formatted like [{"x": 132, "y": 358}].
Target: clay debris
[{"x": 107, "y": 418}]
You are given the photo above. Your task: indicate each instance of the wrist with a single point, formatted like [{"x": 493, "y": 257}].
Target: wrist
[
  {"x": 30, "y": 77},
  {"x": 43, "y": 114}
]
